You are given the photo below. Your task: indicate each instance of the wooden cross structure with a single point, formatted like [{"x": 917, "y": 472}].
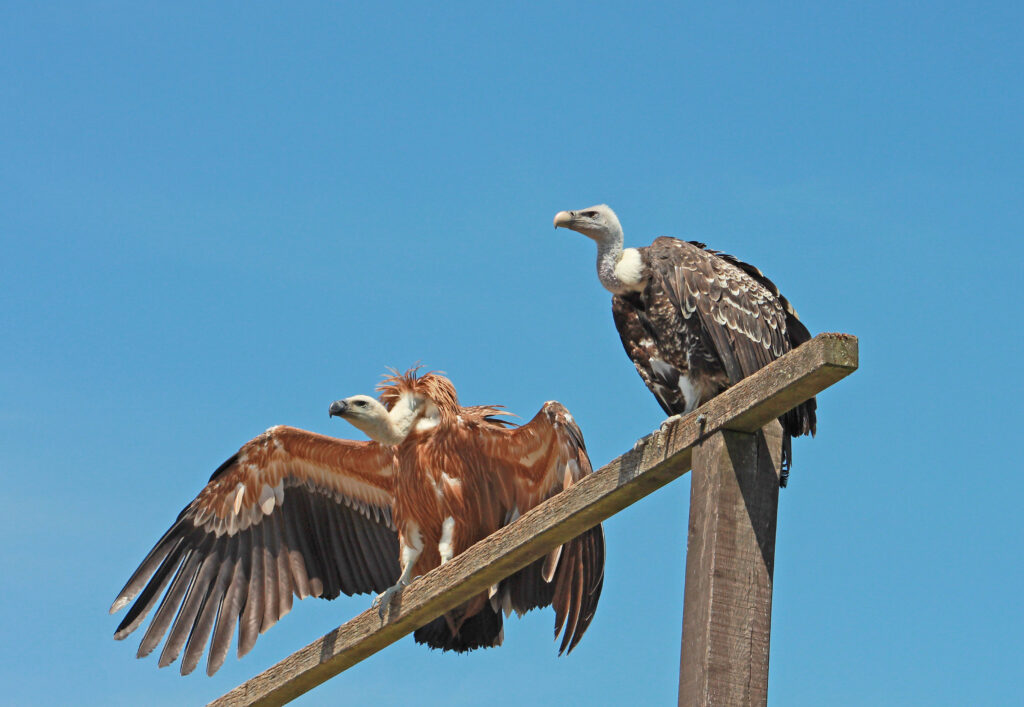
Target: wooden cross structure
[{"x": 733, "y": 445}]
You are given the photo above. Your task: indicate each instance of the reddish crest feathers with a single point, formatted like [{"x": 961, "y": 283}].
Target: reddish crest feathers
[{"x": 438, "y": 389}]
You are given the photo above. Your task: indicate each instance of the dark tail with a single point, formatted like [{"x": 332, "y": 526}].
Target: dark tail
[
  {"x": 803, "y": 419},
  {"x": 481, "y": 630}
]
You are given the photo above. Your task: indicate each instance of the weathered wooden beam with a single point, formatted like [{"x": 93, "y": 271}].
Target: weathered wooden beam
[
  {"x": 656, "y": 460},
  {"x": 730, "y": 556}
]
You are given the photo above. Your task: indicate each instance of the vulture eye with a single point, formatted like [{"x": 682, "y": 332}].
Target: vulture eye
[
  {"x": 590, "y": 214},
  {"x": 361, "y": 403}
]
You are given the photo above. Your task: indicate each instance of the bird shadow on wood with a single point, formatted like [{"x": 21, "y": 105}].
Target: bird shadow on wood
[
  {"x": 631, "y": 462},
  {"x": 394, "y": 608},
  {"x": 328, "y": 642}
]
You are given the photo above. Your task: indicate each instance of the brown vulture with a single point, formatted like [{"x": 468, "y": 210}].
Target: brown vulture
[{"x": 294, "y": 513}]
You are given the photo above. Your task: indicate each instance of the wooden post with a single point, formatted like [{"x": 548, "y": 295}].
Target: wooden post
[{"x": 730, "y": 556}]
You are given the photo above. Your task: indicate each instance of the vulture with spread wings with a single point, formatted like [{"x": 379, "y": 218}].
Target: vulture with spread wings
[{"x": 294, "y": 513}]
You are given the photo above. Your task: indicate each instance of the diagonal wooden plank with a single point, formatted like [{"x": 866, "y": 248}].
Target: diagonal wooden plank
[{"x": 656, "y": 460}]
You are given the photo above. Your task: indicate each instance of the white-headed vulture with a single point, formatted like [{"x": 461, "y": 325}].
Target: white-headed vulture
[{"x": 693, "y": 320}]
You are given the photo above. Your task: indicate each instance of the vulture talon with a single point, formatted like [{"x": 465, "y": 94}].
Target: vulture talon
[
  {"x": 383, "y": 600},
  {"x": 668, "y": 422}
]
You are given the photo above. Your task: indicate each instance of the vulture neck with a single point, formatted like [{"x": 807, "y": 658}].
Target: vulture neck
[{"x": 620, "y": 270}]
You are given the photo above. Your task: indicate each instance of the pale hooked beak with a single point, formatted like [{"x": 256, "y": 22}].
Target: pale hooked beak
[{"x": 564, "y": 219}]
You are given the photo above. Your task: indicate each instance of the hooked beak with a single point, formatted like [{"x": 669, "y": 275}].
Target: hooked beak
[
  {"x": 564, "y": 219},
  {"x": 338, "y": 409}
]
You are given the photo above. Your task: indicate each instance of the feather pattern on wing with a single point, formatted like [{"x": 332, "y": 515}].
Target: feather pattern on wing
[
  {"x": 292, "y": 513},
  {"x": 704, "y": 321}
]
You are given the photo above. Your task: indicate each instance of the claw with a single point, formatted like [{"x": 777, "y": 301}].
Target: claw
[
  {"x": 668, "y": 423},
  {"x": 383, "y": 600}
]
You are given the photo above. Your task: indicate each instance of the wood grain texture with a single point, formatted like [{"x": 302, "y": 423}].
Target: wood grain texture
[
  {"x": 656, "y": 460},
  {"x": 730, "y": 558}
]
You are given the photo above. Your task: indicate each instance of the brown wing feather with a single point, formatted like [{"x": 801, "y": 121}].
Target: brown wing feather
[
  {"x": 291, "y": 513},
  {"x": 743, "y": 319},
  {"x": 541, "y": 458}
]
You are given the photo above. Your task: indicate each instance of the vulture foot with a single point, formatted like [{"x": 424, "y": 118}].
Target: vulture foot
[
  {"x": 668, "y": 423},
  {"x": 383, "y": 600}
]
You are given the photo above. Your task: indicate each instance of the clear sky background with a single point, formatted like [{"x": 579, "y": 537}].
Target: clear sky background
[{"x": 218, "y": 219}]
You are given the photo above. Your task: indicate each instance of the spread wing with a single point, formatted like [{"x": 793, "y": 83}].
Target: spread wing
[
  {"x": 292, "y": 512},
  {"x": 536, "y": 461}
]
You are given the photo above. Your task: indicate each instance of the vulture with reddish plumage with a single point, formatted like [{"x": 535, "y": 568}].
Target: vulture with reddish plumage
[
  {"x": 294, "y": 513},
  {"x": 693, "y": 320}
]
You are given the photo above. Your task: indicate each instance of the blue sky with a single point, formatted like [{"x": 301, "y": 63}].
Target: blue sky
[{"x": 217, "y": 219}]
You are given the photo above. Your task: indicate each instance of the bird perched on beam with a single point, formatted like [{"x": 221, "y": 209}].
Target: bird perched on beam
[
  {"x": 693, "y": 320},
  {"x": 463, "y": 473},
  {"x": 294, "y": 513}
]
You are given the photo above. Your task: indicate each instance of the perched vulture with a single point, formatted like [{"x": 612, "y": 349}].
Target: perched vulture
[
  {"x": 693, "y": 320},
  {"x": 303, "y": 514},
  {"x": 464, "y": 473}
]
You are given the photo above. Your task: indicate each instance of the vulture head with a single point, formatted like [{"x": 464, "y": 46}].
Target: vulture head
[
  {"x": 376, "y": 421},
  {"x": 597, "y": 222},
  {"x": 620, "y": 271}
]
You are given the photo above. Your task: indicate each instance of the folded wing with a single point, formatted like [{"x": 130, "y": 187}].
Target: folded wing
[
  {"x": 743, "y": 318},
  {"x": 291, "y": 513}
]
